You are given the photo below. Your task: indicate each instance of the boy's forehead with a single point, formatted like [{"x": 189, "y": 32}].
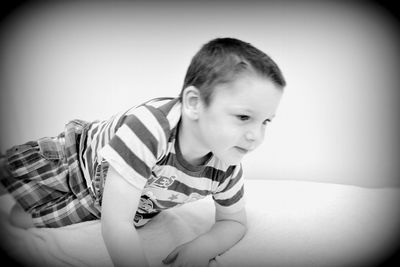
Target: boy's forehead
[
  {"x": 252, "y": 95},
  {"x": 246, "y": 87}
]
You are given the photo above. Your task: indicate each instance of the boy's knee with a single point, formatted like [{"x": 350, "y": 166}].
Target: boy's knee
[
  {"x": 3, "y": 191},
  {"x": 3, "y": 174},
  {"x": 20, "y": 218}
]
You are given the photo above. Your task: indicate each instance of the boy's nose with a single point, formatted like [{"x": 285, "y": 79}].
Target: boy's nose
[
  {"x": 254, "y": 136},
  {"x": 250, "y": 136}
]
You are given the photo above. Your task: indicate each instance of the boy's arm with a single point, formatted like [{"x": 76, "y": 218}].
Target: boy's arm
[
  {"x": 119, "y": 204},
  {"x": 226, "y": 232}
]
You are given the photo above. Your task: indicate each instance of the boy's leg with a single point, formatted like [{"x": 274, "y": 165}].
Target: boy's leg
[
  {"x": 41, "y": 177},
  {"x": 20, "y": 218},
  {"x": 3, "y": 191},
  {"x": 27, "y": 171},
  {"x": 17, "y": 217}
]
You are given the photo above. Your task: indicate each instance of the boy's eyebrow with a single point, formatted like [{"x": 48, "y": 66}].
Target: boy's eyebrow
[
  {"x": 270, "y": 118},
  {"x": 245, "y": 109}
]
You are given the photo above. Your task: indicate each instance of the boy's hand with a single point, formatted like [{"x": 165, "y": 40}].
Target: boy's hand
[
  {"x": 228, "y": 229},
  {"x": 190, "y": 254}
]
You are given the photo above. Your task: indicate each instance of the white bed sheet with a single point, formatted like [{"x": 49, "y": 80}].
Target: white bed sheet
[{"x": 290, "y": 223}]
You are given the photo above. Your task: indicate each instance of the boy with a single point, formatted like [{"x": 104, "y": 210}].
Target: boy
[{"x": 155, "y": 156}]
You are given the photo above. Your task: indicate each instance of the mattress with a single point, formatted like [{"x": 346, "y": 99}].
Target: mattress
[{"x": 290, "y": 223}]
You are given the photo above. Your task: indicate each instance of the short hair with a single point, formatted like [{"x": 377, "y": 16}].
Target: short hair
[{"x": 222, "y": 59}]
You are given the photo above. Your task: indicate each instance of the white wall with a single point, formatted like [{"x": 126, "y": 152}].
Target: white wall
[{"x": 338, "y": 121}]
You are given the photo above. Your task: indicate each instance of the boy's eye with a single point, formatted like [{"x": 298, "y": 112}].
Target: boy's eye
[
  {"x": 243, "y": 117},
  {"x": 266, "y": 121}
]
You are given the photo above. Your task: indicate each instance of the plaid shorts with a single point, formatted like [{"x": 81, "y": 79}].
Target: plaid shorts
[{"x": 45, "y": 178}]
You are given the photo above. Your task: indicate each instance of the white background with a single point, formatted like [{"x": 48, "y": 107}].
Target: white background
[{"x": 338, "y": 120}]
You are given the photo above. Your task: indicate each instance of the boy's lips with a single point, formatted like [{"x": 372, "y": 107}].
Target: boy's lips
[{"x": 242, "y": 150}]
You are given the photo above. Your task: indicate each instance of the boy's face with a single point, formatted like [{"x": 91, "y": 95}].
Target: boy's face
[{"x": 234, "y": 123}]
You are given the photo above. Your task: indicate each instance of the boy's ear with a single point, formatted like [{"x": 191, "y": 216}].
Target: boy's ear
[{"x": 191, "y": 102}]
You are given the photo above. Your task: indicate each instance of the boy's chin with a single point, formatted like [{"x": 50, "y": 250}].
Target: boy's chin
[{"x": 230, "y": 160}]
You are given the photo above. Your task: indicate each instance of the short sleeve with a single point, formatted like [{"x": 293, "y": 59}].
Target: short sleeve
[
  {"x": 136, "y": 145},
  {"x": 229, "y": 197}
]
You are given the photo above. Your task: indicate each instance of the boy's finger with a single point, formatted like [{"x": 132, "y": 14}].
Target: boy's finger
[
  {"x": 171, "y": 257},
  {"x": 213, "y": 263}
]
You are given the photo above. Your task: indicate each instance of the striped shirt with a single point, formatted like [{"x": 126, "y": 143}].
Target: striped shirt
[{"x": 141, "y": 144}]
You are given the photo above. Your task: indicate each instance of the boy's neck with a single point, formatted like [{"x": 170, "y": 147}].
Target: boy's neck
[{"x": 191, "y": 148}]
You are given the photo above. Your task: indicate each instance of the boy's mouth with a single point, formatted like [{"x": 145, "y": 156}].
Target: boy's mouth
[{"x": 242, "y": 150}]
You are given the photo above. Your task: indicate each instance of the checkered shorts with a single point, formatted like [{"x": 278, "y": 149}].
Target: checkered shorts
[{"x": 45, "y": 178}]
